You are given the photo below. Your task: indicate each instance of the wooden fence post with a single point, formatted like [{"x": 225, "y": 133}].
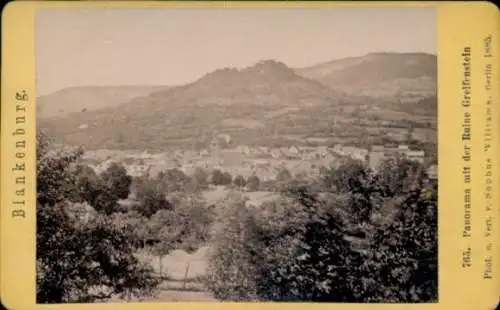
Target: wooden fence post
[
  {"x": 161, "y": 267},
  {"x": 186, "y": 274}
]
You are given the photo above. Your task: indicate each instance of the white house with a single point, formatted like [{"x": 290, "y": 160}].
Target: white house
[
  {"x": 264, "y": 149},
  {"x": 415, "y": 155},
  {"x": 204, "y": 152},
  {"x": 294, "y": 151},
  {"x": 376, "y": 158},
  {"x": 261, "y": 163},
  {"x": 136, "y": 170},
  {"x": 83, "y": 126},
  {"x": 323, "y": 150},
  {"x": 432, "y": 172},
  {"x": 243, "y": 149},
  {"x": 276, "y": 153}
]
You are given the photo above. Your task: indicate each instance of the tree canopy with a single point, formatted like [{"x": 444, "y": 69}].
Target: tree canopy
[
  {"x": 80, "y": 260},
  {"x": 330, "y": 245}
]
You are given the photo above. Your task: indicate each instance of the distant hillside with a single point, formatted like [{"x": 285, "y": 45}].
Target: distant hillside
[
  {"x": 88, "y": 98},
  {"x": 379, "y": 74},
  {"x": 267, "y": 103}
]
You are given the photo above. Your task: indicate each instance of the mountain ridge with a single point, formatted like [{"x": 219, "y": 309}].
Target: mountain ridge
[
  {"x": 88, "y": 98},
  {"x": 381, "y": 74},
  {"x": 251, "y": 104}
]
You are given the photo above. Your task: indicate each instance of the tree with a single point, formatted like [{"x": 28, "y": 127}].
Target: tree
[
  {"x": 354, "y": 179},
  {"x": 174, "y": 180},
  {"x": 162, "y": 227},
  {"x": 405, "y": 257},
  {"x": 239, "y": 181},
  {"x": 103, "y": 191},
  {"x": 201, "y": 178},
  {"x": 86, "y": 262},
  {"x": 115, "y": 177},
  {"x": 400, "y": 175},
  {"x": 217, "y": 177},
  {"x": 304, "y": 246},
  {"x": 55, "y": 173},
  {"x": 283, "y": 175},
  {"x": 288, "y": 251},
  {"x": 186, "y": 226},
  {"x": 152, "y": 197},
  {"x": 348, "y": 176},
  {"x": 268, "y": 185},
  {"x": 220, "y": 178},
  {"x": 253, "y": 183},
  {"x": 79, "y": 260},
  {"x": 228, "y": 178},
  {"x": 230, "y": 274}
]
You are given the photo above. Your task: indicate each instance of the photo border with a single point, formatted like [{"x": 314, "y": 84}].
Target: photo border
[{"x": 459, "y": 24}]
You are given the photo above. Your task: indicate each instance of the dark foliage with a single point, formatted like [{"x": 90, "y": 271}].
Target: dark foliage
[
  {"x": 80, "y": 258},
  {"x": 240, "y": 181},
  {"x": 365, "y": 238},
  {"x": 253, "y": 183}
]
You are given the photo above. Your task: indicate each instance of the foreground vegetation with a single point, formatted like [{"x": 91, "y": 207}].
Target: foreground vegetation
[{"x": 351, "y": 235}]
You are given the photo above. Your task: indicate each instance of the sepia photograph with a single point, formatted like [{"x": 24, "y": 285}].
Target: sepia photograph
[{"x": 236, "y": 154}]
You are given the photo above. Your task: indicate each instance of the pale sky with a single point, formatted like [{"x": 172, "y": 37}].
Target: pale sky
[{"x": 167, "y": 46}]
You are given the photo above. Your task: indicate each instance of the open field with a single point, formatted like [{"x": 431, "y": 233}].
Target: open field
[
  {"x": 175, "y": 264},
  {"x": 182, "y": 272}
]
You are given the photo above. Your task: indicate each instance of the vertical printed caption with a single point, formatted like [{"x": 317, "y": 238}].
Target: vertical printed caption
[
  {"x": 489, "y": 163},
  {"x": 466, "y": 138},
  {"x": 19, "y": 202}
]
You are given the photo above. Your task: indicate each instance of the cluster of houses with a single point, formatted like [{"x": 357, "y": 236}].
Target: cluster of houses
[
  {"x": 374, "y": 156},
  {"x": 262, "y": 161},
  {"x": 380, "y": 153}
]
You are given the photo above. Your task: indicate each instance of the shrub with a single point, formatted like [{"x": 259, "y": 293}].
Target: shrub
[
  {"x": 79, "y": 260},
  {"x": 253, "y": 183},
  {"x": 279, "y": 251},
  {"x": 201, "y": 178},
  {"x": 283, "y": 175},
  {"x": 227, "y": 178},
  {"x": 405, "y": 253},
  {"x": 103, "y": 191},
  {"x": 399, "y": 175},
  {"x": 217, "y": 177},
  {"x": 115, "y": 177},
  {"x": 152, "y": 198},
  {"x": 173, "y": 180},
  {"x": 327, "y": 247},
  {"x": 230, "y": 274},
  {"x": 239, "y": 181}
]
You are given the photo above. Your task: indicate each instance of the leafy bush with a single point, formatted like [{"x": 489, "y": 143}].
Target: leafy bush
[
  {"x": 329, "y": 246},
  {"x": 115, "y": 177},
  {"x": 79, "y": 260},
  {"x": 103, "y": 191},
  {"x": 406, "y": 252},
  {"x": 201, "y": 178},
  {"x": 239, "y": 181},
  {"x": 231, "y": 272},
  {"x": 173, "y": 180},
  {"x": 253, "y": 183},
  {"x": 283, "y": 175},
  {"x": 186, "y": 226},
  {"x": 227, "y": 178},
  {"x": 399, "y": 175},
  {"x": 220, "y": 178},
  {"x": 217, "y": 177},
  {"x": 152, "y": 197}
]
